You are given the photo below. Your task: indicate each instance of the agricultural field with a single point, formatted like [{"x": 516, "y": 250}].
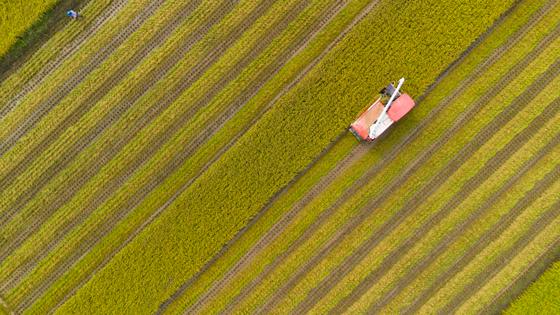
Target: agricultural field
[{"x": 193, "y": 157}]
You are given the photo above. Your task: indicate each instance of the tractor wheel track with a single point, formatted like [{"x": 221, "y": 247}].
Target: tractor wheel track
[
  {"x": 543, "y": 221},
  {"x": 110, "y": 148},
  {"x": 397, "y": 149},
  {"x": 207, "y": 165},
  {"x": 484, "y": 240},
  {"x": 44, "y": 107},
  {"x": 136, "y": 91},
  {"x": 395, "y": 256},
  {"x": 529, "y": 275},
  {"x": 401, "y": 179},
  {"x": 192, "y": 146},
  {"x": 108, "y": 13}
]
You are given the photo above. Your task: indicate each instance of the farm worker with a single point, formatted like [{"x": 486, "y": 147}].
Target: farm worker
[{"x": 73, "y": 14}]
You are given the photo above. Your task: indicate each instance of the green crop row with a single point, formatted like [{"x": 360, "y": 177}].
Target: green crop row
[
  {"x": 87, "y": 123},
  {"x": 289, "y": 136},
  {"x": 395, "y": 201},
  {"x": 251, "y": 35},
  {"x": 16, "y": 18},
  {"x": 52, "y": 83},
  {"x": 540, "y": 297},
  {"x": 492, "y": 252},
  {"x": 373, "y": 156},
  {"x": 434, "y": 203},
  {"x": 545, "y": 241},
  {"x": 440, "y": 230},
  {"x": 429, "y": 275},
  {"x": 160, "y": 122},
  {"x": 53, "y": 47},
  {"x": 76, "y": 99},
  {"x": 116, "y": 130}
]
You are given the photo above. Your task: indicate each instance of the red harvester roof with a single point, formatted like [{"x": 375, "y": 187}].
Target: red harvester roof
[{"x": 400, "y": 107}]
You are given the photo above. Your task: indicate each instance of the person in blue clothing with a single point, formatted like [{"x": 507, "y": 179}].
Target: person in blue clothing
[{"x": 73, "y": 14}]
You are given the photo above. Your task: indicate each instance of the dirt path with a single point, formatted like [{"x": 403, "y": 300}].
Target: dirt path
[
  {"x": 483, "y": 241},
  {"x": 491, "y": 270},
  {"x": 530, "y": 274},
  {"x": 64, "y": 158},
  {"x": 153, "y": 182},
  {"x": 397, "y": 254},
  {"x": 65, "y": 53},
  {"x": 109, "y": 119},
  {"x": 397, "y": 182},
  {"x": 78, "y": 77},
  {"x": 113, "y": 149}
]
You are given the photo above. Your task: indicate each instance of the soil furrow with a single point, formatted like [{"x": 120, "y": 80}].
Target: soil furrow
[
  {"x": 278, "y": 228},
  {"x": 65, "y": 53},
  {"x": 133, "y": 94},
  {"x": 253, "y": 220},
  {"x": 489, "y": 168},
  {"x": 490, "y": 270},
  {"x": 529, "y": 275},
  {"x": 396, "y": 255},
  {"x": 483, "y": 241},
  {"x": 426, "y": 154},
  {"x": 110, "y": 149},
  {"x": 151, "y": 149},
  {"x": 492, "y": 165},
  {"x": 395, "y": 151},
  {"x": 78, "y": 77}
]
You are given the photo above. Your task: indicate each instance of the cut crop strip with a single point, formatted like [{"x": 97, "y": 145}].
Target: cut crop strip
[
  {"x": 58, "y": 48},
  {"x": 37, "y": 105},
  {"x": 403, "y": 175}
]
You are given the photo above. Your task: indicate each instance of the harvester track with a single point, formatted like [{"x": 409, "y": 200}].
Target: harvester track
[
  {"x": 78, "y": 77},
  {"x": 64, "y": 54},
  {"x": 418, "y": 161},
  {"x": 396, "y": 255},
  {"x": 152, "y": 148},
  {"x": 432, "y": 186},
  {"x": 116, "y": 112}
]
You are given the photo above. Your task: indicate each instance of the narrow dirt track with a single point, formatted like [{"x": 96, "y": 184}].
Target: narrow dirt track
[
  {"x": 491, "y": 270},
  {"x": 482, "y": 242},
  {"x": 426, "y": 154},
  {"x": 413, "y": 135},
  {"x": 78, "y": 77},
  {"x": 110, "y": 149},
  {"x": 135, "y": 92},
  {"x": 529, "y": 275},
  {"x": 111, "y": 117},
  {"x": 319, "y": 27},
  {"x": 397, "y": 254},
  {"x": 151, "y": 149},
  {"x": 65, "y": 53}
]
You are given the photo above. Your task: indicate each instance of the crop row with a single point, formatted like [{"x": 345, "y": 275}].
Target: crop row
[
  {"x": 380, "y": 219},
  {"x": 58, "y": 48},
  {"x": 127, "y": 153},
  {"x": 287, "y": 126},
  {"x": 349, "y": 179},
  {"x": 540, "y": 296},
  {"x": 99, "y": 124},
  {"x": 268, "y": 20}
]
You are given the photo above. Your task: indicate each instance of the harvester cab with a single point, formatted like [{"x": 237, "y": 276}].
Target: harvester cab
[{"x": 377, "y": 117}]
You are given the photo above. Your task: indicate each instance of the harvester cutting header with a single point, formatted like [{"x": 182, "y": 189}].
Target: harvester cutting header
[{"x": 378, "y": 117}]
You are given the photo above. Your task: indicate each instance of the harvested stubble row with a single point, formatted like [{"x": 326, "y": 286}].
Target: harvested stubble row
[
  {"x": 542, "y": 296},
  {"x": 58, "y": 48},
  {"x": 349, "y": 179},
  {"x": 112, "y": 263},
  {"x": 304, "y": 251},
  {"x": 46, "y": 155},
  {"x": 34, "y": 110}
]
